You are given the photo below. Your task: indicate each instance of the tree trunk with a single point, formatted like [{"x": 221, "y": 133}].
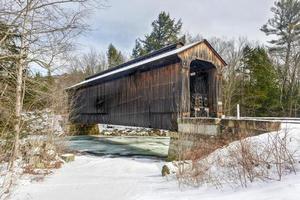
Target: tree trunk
[
  {"x": 18, "y": 109},
  {"x": 285, "y": 78},
  {"x": 17, "y": 129}
]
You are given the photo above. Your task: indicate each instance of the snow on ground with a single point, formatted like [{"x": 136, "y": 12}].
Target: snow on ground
[
  {"x": 256, "y": 157},
  {"x": 101, "y": 178},
  {"x": 107, "y": 178}
]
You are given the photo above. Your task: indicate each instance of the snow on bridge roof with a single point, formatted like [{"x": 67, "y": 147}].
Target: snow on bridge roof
[{"x": 166, "y": 52}]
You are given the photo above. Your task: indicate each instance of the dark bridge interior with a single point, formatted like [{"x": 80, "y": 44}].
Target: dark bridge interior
[{"x": 200, "y": 98}]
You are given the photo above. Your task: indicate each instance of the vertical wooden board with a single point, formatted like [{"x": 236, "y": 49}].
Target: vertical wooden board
[
  {"x": 127, "y": 100},
  {"x": 91, "y": 100},
  {"x": 121, "y": 98},
  {"x": 174, "y": 78},
  {"x": 158, "y": 91},
  {"x": 155, "y": 91},
  {"x": 142, "y": 80},
  {"x": 146, "y": 103},
  {"x": 108, "y": 94},
  {"x": 148, "y": 94},
  {"x": 120, "y": 106},
  {"x": 111, "y": 103},
  {"x": 87, "y": 99},
  {"x": 94, "y": 100},
  {"x": 115, "y": 97},
  {"x": 137, "y": 95},
  {"x": 139, "y": 83},
  {"x": 175, "y": 89},
  {"x": 107, "y": 100},
  {"x": 166, "y": 107},
  {"x": 115, "y": 100},
  {"x": 104, "y": 97},
  {"x": 162, "y": 93},
  {"x": 149, "y": 97},
  {"x": 98, "y": 98},
  {"x": 185, "y": 91},
  {"x": 130, "y": 99},
  {"x": 172, "y": 96},
  {"x": 135, "y": 100},
  {"x": 168, "y": 96}
]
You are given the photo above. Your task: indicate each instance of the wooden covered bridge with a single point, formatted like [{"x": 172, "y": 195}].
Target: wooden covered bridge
[{"x": 153, "y": 90}]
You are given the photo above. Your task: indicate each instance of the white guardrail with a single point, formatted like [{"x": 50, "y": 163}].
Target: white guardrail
[{"x": 281, "y": 119}]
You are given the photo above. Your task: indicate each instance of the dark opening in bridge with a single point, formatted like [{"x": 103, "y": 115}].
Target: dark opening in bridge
[{"x": 200, "y": 96}]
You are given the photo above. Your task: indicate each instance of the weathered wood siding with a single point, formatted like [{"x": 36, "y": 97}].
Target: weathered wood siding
[
  {"x": 202, "y": 52},
  {"x": 152, "y": 95},
  {"x": 148, "y": 99}
]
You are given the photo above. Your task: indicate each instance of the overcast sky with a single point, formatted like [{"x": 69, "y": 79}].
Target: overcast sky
[{"x": 125, "y": 20}]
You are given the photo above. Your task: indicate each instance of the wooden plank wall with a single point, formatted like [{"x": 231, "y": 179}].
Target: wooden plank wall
[
  {"x": 147, "y": 99},
  {"x": 152, "y": 98},
  {"x": 202, "y": 52}
]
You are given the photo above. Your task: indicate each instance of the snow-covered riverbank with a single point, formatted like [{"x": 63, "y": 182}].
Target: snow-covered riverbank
[{"x": 112, "y": 176}]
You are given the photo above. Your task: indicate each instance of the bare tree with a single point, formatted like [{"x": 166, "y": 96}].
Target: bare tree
[
  {"x": 88, "y": 64},
  {"x": 43, "y": 31},
  {"x": 232, "y": 52}
]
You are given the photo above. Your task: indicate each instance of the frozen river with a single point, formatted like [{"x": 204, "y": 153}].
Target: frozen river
[{"x": 121, "y": 146}]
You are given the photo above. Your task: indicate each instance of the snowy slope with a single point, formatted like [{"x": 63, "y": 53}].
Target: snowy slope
[
  {"x": 94, "y": 178},
  {"x": 104, "y": 178}
]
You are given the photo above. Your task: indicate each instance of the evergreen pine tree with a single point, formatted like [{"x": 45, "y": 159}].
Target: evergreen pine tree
[
  {"x": 138, "y": 49},
  {"x": 114, "y": 57},
  {"x": 285, "y": 24},
  {"x": 165, "y": 31},
  {"x": 261, "y": 88}
]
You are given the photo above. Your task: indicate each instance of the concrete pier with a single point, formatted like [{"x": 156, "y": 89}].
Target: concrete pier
[{"x": 211, "y": 133}]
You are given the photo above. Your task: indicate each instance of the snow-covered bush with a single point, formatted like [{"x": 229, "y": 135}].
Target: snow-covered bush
[
  {"x": 259, "y": 158},
  {"x": 40, "y": 153}
]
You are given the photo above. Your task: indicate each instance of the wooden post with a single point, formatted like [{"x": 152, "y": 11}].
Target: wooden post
[{"x": 185, "y": 91}]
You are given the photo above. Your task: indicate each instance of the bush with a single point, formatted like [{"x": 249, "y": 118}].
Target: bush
[{"x": 259, "y": 158}]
